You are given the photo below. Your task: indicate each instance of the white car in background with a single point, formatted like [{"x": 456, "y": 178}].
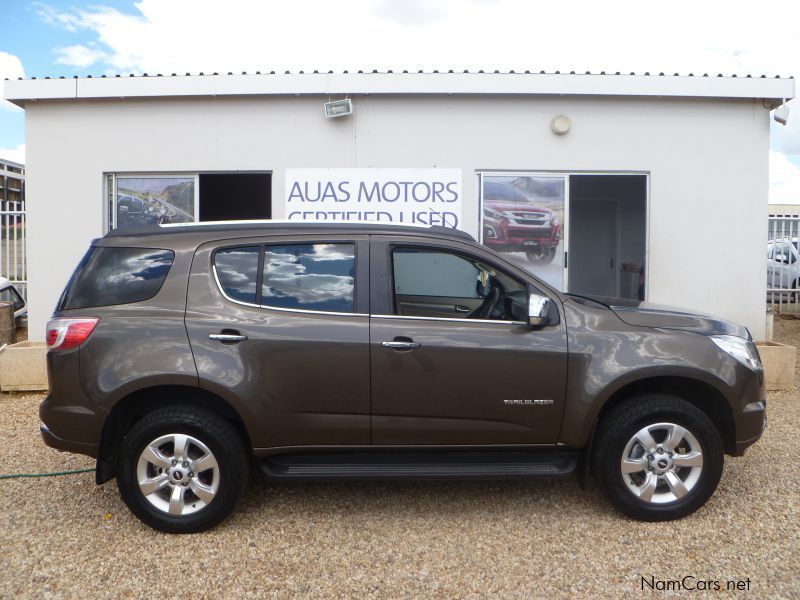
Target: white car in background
[
  {"x": 783, "y": 269},
  {"x": 8, "y": 293}
]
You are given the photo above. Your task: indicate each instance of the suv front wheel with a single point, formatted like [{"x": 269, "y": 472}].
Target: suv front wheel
[
  {"x": 182, "y": 469},
  {"x": 658, "y": 457}
]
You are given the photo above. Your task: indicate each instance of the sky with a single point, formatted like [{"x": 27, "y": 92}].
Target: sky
[{"x": 78, "y": 37}]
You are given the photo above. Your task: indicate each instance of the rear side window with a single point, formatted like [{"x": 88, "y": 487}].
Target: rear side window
[
  {"x": 108, "y": 276},
  {"x": 237, "y": 271},
  {"x": 309, "y": 277}
]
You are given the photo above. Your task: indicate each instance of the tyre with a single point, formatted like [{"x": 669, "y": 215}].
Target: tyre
[
  {"x": 657, "y": 457},
  {"x": 541, "y": 256},
  {"x": 182, "y": 469}
]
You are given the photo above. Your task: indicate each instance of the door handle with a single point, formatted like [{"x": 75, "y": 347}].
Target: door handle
[
  {"x": 461, "y": 309},
  {"x": 400, "y": 345},
  {"x": 227, "y": 337}
]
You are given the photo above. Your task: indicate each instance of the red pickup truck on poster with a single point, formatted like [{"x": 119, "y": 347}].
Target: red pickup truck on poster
[{"x": 513, "y": 223}]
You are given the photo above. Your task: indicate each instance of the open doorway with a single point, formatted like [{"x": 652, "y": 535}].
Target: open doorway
[
  {"x": 235, "y": 196},
  {"x": 607, "y": 235}
]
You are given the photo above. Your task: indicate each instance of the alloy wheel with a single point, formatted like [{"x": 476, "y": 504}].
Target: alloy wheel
[
  {"x": 178, "y": 474},
  {"x": 662, "y": 463}
]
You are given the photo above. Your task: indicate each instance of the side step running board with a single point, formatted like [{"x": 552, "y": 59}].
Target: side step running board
[{"x": 421, "y": 465}]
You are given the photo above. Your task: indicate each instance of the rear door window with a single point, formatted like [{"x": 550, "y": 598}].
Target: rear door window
[
  {"x": 108, "y": 276},
  {"x": 317, "y": 277},
  {"x": 237, "y": 271}
]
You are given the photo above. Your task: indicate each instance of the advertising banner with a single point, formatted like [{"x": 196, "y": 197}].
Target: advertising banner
[
  {"x": 412, "y": 196},
  {"x": 522, "y": 217},
  {"x": 151, "y": 200}
]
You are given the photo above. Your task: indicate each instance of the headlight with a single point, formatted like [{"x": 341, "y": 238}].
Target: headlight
[
  {"x": 739, "y": 348},
  {"x": 554, "y": 219},
  {"x": 493, "y": 214}
]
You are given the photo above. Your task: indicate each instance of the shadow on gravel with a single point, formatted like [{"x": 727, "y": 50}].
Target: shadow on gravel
[{"x": 284, "y": 498}]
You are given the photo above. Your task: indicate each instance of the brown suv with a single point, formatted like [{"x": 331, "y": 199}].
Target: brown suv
[{"x": 180, "y": 355}]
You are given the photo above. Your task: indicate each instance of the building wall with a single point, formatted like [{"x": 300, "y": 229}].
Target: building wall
[{"x": 707, "y": 161}]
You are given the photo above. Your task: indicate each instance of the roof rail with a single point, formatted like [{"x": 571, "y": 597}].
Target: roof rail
[
  {"x": 243, "y": 224},
  {"x": 292, "y": 222}
]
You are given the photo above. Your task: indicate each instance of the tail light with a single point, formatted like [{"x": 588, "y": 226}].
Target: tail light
[{"x": 63, "y": 334}]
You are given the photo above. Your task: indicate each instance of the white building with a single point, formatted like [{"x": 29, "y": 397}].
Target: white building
[{"x": 645, "y": 184}]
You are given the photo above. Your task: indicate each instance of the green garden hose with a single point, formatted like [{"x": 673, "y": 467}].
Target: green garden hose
[{"x": 54, "y": 474}]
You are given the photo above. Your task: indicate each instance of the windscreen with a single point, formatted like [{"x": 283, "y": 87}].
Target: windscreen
[{"x": 108, "y": 276}]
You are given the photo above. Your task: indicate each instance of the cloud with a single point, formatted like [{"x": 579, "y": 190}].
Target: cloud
[
  {"x": 10, "y": 68},
  {"x": 50, "y": 15},
  {"x": 16, "y": 155},
  {"x": 79, "y": 56},
  {"x": 197, "y": 35},
  {"x": 411, "y": 12},
  {"x": 784, "y": 180}
]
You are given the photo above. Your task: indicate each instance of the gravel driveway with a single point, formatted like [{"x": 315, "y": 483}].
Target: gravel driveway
[{"x": 63, "y": 536}]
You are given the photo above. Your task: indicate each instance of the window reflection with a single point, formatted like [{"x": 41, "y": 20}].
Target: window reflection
[
  {"x": 237, "y": 270},
  {"x": 110, "y": 276},
  {"x": 309, "y": 276}
]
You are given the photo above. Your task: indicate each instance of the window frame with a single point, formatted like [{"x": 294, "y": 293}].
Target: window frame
[
  {"x": 111, "y": 177},
  {"x": 360, "y": 262}
]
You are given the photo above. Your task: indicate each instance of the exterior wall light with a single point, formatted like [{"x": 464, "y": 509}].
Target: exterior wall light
[
  {"x": 338, "y": 108},
  {"x": 560, "y": 124},
  {"x": 781, "y": 114}
]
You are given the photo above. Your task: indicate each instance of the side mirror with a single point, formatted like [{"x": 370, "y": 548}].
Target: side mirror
[{"x": 538, "y": 310}]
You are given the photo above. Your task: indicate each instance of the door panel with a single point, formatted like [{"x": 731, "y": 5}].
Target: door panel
[
  {"x": 460, "y": 381},
  {"x": 467, "y": 383},
  {"x": 301, "y": 377}
]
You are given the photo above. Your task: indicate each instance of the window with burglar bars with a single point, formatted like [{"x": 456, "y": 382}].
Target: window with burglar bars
[
  {"x": 12, "y": 226},
  {"x": 783, "y": 258}
]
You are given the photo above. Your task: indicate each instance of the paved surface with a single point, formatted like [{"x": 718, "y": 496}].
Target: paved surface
[{"x": 64, "y": 536}]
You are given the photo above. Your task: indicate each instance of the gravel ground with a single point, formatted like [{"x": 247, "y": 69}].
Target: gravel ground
[{"x": 65, "y": 537}]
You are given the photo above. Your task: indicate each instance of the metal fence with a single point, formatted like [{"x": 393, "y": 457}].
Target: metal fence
[
  {"x": 783, "y": 261},
  {"x": 13, "y": 264}
]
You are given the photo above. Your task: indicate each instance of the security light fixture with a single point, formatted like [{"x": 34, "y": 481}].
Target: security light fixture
[
  {"x": 338, "y": 108},
  {"x": 781, "y": 114}
]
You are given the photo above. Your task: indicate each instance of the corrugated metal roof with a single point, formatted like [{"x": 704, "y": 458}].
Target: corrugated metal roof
[
  {"x": 418, "y": 72},
  {"x": 497, "y": 83}
]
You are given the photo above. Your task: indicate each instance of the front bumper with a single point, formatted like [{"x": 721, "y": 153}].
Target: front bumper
[
  {"x": 750, "y": 426},
  {"x": 521, "y": 235}
]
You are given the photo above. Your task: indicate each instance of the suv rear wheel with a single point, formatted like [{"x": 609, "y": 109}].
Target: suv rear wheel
[
  {"x": 658, "y": 457},
  {"x": 182, "y": 469}
]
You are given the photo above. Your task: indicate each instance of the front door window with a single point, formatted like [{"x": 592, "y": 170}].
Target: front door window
[{"x": 434, "y": 283}]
